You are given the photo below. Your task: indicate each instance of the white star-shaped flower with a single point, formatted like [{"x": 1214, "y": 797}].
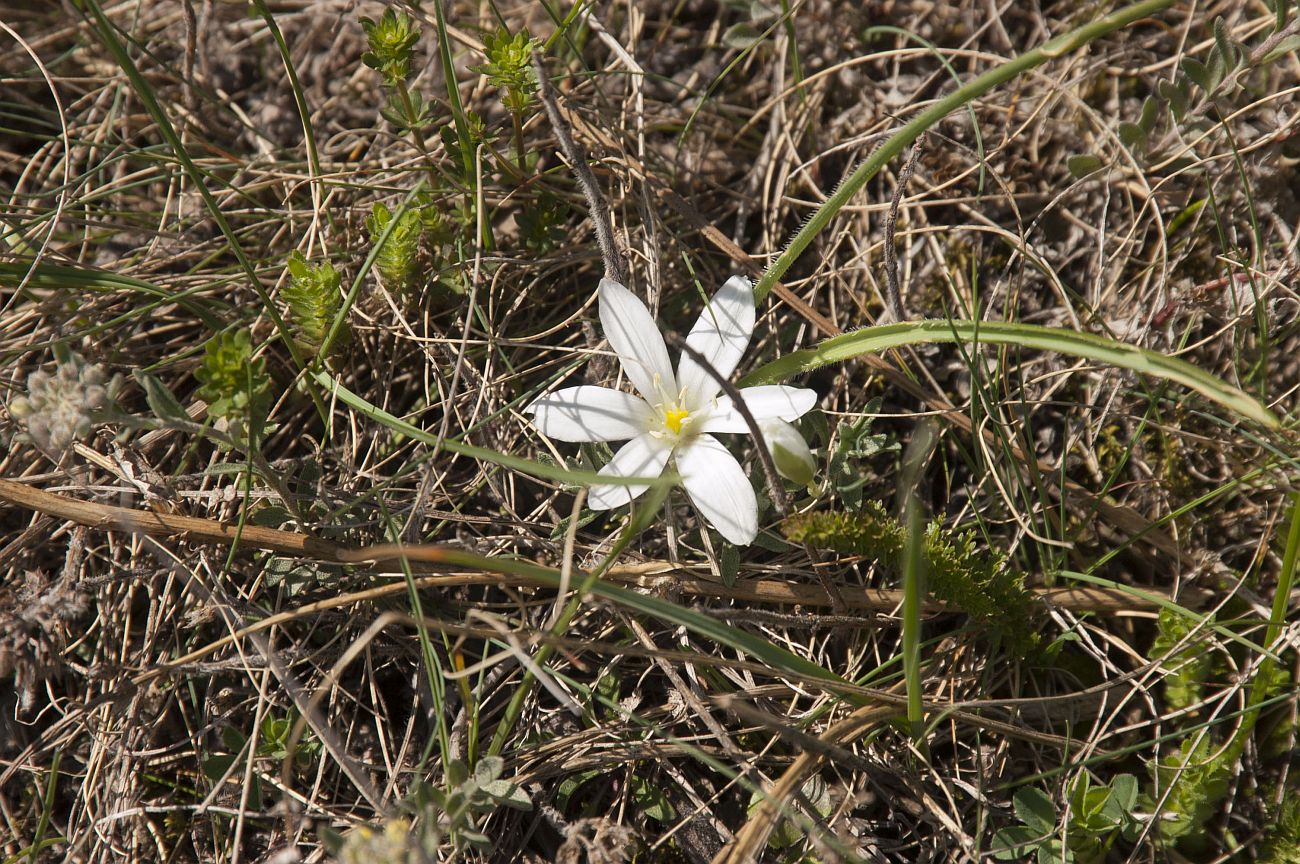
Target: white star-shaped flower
[{"x": 675, "y": 414}]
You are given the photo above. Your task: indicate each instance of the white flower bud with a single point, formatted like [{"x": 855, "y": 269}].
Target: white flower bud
[{"x": 790, "y": 453}]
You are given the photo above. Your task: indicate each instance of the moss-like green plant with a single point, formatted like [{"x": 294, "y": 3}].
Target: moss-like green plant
[
  {"x": 509, "y": 66},
  {"x": 1099, "y": 815},
  {"x": 391, "y": 40},
  {"x": 1281, "y": 845},
  {"x": 1196, "y": 779},
  {"x": 312, "y": 295},
  {"x": 848, "y": 472},
  {"x": 978, "y": 583},
  {"x": 398, "y": 254},
  {"x": 439, "y": 820},
  {"x": 543, "y": 223},
  {"x": 1189, "y": 666},
  {"x": 235, "y": 384}
]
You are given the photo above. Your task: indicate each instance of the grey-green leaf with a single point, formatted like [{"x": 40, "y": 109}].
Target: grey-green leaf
[{"x": 161, "y": 401}]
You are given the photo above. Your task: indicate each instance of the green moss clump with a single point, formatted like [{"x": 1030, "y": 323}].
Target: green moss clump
[{"x": 978, "y": 583}]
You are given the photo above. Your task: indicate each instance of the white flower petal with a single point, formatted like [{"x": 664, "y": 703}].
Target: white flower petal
[
  {"x": 635, "y": 337},
  {"x": 767, "y": 402},
  {"x": 643, "y": 456},
  {"x": 721, "y": 335},
  {"x": 591, "y": 414},
  {"x": 719, "y": 489}
]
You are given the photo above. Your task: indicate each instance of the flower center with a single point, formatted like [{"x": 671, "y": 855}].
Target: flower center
[{"x": 674, "y": 417}]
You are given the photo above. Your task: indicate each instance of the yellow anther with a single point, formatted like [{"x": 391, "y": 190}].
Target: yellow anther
[{"x": 674, "y": 418}]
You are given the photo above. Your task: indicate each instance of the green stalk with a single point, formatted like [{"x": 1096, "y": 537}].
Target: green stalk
[
  {"x": 913, "y": 589},
  {"x": 915, "y": 566},
  {"x": 535, "y": 469},
  {"x": 1281, "y": 599},
  {"x": 899, "y": 141},
  {"x": 299, "y": 100},
  {"x": 646, "y": 512},
  {"x": 432, "y": 666},
  {"x": 519, "y": 141},
  {"x": 453, "y": 91}
]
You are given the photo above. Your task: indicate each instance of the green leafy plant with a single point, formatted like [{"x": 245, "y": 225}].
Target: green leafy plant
[
  {"x": 745, "y": 34},
  {"x": 1191, "y": 95},
  {"x": 398, "y": 257},
  {"x": 312, "y": 294},
  {"x": 856, "y": 443},
  {"x": 391, "y": 41},
  {"x": 509, "y": 67},
  {"x": 978, "y": 583},
  {"x": 273, "y": 742},
  {"x": 1189, "y": 785},
  {"x": 1281, "y": 845},
  {"x": 1193, "y": 781},
  {"x": 815, "y": 803},
  {"x": 1098, "y": 816},
  {"x": 450, "y": 816},
  {"x": 469, "y": 136},
  {"x": 392, "y": 45},
  {"x": 235, "y": 384},
  {"x": 543, "y": 223},
  {"x": 1190, "y": 666}
]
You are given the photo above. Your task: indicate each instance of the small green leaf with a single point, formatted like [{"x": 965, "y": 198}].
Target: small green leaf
[
  {"x": 1124, "y": 791},
  {"x": 742, "y": 36},
  {"x": 1036, "y": 810},
  {"x": 1150, "y": 113},
  {"x": 1281, "y": 49},
  {"x": 1012, "y": 843},
  {"x": 729, "y": 564},
  {"x": 233, "y": 738},
  {"x": 1229, "y": 49},
  {"x": 1175, "y": 95},
  {"x": 570, "y": 785},
  {"x": 1186, "y": 214},
  {"x": 488, "y": 769},
  {"x": 215, "y": 767},
  {"x": 508, "y": 794},
  {"x": 474, "y": 838},
  {"x": 1196, "y": 71},
  {"x": 457, "y": 773},
  {"x": 651, "y": 800},
  {"x": 1082, "y": 164},
  {"x": 161, "y": 401},
  {"x": 1132, "y": 136}
]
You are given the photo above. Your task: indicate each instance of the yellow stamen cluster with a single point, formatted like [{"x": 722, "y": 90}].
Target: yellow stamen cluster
[{"x": 674, "y": 418}]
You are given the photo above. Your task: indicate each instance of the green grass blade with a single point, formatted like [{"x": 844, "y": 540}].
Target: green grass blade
[
  {"x": 899, "y": 141},
  {"x": 65, "y": 277},
  {"x": 1086, "y": 345},
  {"x": 333, "y": 388},
  {"x": 778, "y": 659}
]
